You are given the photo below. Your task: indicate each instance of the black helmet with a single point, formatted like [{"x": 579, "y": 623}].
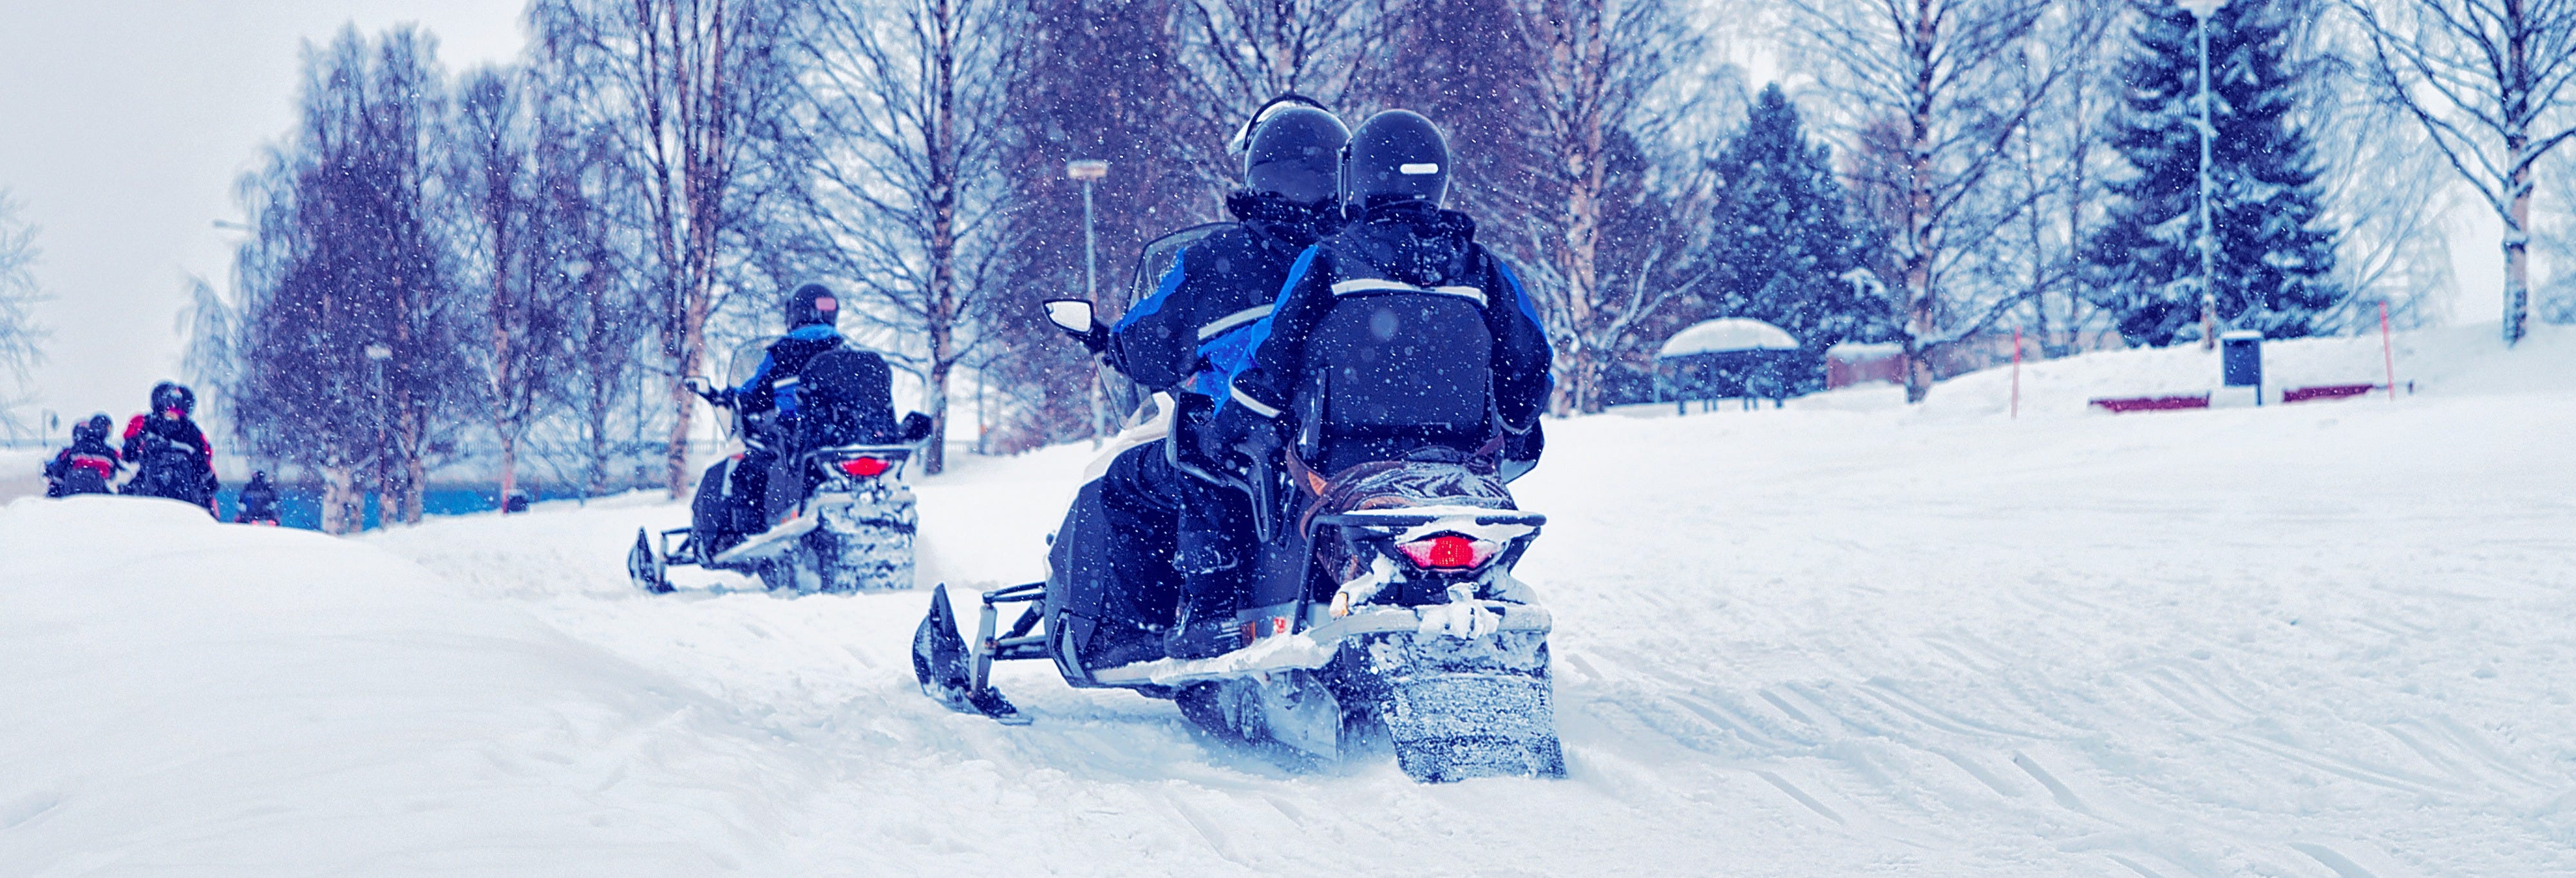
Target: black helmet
[
  {"x": 1293, "y": 148},
  {"x": 811, "y": 304},
  {"x": 92, "y": 430},
  {"x": 169, "y": 395},
  {"x": 1395, "y": 156}
]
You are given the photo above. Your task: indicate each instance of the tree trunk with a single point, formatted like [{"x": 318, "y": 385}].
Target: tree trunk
[
  {"x": 415, "y": 477},
  {"x": 942, "y": 295},
  {"x": 2517, "y": 212},
  {"x": 339, "y": 499},
  {"x": 1918, "y": 314},
  {"x": 683, "y": 408},
  {"x": 501, "y": 376}
]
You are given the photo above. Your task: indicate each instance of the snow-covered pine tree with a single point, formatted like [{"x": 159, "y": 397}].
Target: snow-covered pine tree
[
  {"x": 2273, "y": 255},
  {"x": 1783, "y": 238}
]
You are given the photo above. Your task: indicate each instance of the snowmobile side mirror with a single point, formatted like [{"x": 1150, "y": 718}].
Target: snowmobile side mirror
[
  {"x": 1072, "y": 315},
  {"x": 1075, "y": 317}
]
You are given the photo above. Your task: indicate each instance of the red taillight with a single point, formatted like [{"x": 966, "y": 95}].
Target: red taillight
[
  {"x": 1448, "y": 552},
  {"x": 865, "y": 467}
]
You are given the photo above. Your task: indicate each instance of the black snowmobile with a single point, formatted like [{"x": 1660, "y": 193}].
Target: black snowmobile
[
  {"x": 837, "y": 515},
  {"x": 1383, "y": 607}
]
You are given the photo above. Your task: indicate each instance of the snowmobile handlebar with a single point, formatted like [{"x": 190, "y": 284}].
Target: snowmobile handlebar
[{"x": 720, "y": 397}]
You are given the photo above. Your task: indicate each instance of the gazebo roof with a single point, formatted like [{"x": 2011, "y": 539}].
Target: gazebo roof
[{"x": 1727, "y": 334}]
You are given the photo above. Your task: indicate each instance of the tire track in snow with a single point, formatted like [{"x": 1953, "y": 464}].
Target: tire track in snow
[
  {"x": 2395, "y": 779},
  {"x": 2065, "y": 797},
  {"x": 2343, "y": 866},
  {"x": 1885, "y": 692},
  {"x": 1801, "y": 796}
]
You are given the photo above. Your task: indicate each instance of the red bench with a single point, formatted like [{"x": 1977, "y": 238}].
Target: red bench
[
  {"x": 2326, "y": 391},
  {"x": 2152, "y": 403}
]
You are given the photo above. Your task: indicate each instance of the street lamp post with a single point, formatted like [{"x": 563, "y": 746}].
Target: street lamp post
[
  {"x": 2200, "y": 11},
  {"x": 1088, "y": 171}
]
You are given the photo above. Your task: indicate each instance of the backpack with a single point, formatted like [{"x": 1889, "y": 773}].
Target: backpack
[
  {"x": 845, "y": 396},
  {"x": 1393, "y": 368}
]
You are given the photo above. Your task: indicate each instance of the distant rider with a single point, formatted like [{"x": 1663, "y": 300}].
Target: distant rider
[
  {"x": 89, "y": 466},
  {"x": 170, "y": 454},
  {"x": 1198, "y": 314},
  {"x": 1394, "y": 175},
  {"x": 768, "y": 400},
  {"x": 258, "y": 501}
]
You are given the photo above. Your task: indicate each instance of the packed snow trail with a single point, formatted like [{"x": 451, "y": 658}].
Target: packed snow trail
[{"x": 2323, "y": 640}]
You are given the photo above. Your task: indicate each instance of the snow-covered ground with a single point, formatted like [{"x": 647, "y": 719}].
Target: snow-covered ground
[{"x": 1847, "y": 637}]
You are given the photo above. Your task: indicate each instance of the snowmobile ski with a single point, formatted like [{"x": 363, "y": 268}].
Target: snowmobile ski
[
  {"x": 645, "y": 566},
  {"x": 940, "y": 664}
]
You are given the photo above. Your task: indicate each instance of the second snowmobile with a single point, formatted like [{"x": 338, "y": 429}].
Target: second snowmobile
[{"x": 836, "y": 516}]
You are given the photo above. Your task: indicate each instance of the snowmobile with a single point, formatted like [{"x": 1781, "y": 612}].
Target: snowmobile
[
  {"x": 1383, "y": 607},
  {"x": 837, "y": 515}
]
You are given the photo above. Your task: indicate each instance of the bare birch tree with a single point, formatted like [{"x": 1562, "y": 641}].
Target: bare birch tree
[
  {"x": 907, "y": 101},
  {"x": 2391, "y": 247},
  {"x": 20, "y": 337},
  {"x": 1944, "y": 78},
  {"x": 689, "y": 78},
  {"x": 1240, "y": 53},
  {"x": 1601, "y": 67},
  {"x": 2489, "y": 82},
  {"x": 507, "y": 248}
]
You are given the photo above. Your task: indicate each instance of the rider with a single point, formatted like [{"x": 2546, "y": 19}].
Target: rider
[
  {"x": 1199, "y": 311},
  {"x": 767, "y": 401},
  {"x": 258, "y": 501},
  {"x": 1394, "y": 175},
  {"x": 89, "y": 466},
  {"x": 170, "y": 454}
]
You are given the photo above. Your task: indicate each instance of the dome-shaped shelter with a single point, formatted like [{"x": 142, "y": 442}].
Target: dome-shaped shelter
[{"x": 1728, "y": 358}]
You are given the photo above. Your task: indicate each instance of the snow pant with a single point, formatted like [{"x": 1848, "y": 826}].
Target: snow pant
[
  {"x": 1164, "y": 522},
  {"x": 750, "y": 492}
]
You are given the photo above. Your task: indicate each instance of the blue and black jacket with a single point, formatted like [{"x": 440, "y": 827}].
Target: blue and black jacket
[
  {"x": 773, "y": 385},
  {"x": 1407, "y": 247},
  {"x": 1175, "y": 340}
]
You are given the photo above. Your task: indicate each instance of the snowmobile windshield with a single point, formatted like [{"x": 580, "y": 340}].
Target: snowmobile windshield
[{"x": 745, "y": 359}]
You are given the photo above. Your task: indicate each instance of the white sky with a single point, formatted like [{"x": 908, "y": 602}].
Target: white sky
[{"x": 123, "y": 124}]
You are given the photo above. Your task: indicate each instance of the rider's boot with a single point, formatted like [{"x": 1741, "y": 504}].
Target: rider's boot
[{"x": 1205, "y": 626}]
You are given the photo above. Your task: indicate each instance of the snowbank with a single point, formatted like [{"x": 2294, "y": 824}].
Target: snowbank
[
  {"x": 22, "y": 472},
  {"x": 192, "y": 698},
  {"x": 2450, "y": 361}
]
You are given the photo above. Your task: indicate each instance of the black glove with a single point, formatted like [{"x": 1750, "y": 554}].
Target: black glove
[
  {"x": 916, "y": 427},
  {"x": 720, "y": 397}
]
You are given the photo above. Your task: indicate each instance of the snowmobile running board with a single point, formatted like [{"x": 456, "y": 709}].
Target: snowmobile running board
[
  {"x": 773, "y": 541},
  {"x": 1314, "y": 647}
]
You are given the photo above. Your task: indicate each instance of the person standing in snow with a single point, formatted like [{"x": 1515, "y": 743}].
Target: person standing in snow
[
  {"x": 1394, "y": 176},
  {"x": 88, "y": 466},
  {"x": 170, "y": 454},
  {"x": 1174, "y": 339}
]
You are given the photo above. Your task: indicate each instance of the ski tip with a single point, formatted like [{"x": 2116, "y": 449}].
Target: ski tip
[{"x": 990, "y": 702}]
